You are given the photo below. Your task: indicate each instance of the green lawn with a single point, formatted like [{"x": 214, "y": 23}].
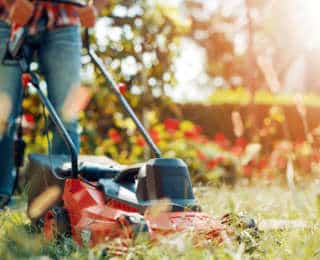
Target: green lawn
[{"x": 265, "y": 203}]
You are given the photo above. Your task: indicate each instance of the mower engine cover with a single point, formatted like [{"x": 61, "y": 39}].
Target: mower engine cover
[
  {"x": 144, "y": 185},
  {"x": 166, "y": 178}
]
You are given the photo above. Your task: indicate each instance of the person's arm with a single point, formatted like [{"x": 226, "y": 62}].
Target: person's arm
[
  {"x": 89, "y": 13},
  {"x": 87, "y": 16}
]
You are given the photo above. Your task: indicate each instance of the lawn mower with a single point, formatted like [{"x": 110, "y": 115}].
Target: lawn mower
[{"x": 94, "y": 199}]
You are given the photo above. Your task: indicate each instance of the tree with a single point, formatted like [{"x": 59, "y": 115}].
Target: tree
[{"x": 228, "y": 33}]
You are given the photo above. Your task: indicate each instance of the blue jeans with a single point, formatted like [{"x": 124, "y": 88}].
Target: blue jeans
[{"x": 59, "y": 58}]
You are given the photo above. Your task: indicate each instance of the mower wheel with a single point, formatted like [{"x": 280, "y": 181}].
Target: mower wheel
[{"x": 57, "y": 224}]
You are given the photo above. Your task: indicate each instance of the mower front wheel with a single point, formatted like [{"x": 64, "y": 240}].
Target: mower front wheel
[{"x": 57, "y": 224}]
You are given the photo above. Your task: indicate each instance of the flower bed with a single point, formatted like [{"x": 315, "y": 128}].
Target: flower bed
[{"x": 210, "y": 159}]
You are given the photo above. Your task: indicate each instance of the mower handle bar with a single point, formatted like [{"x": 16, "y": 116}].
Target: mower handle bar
[
  {"x": 79, "y": 3},
  {"x": 123, "y": 101}
]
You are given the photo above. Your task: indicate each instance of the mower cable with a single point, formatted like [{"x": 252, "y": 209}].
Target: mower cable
[{"x": 49, "y": 144}]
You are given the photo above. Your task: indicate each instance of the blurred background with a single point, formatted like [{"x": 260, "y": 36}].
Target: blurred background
[{"x": 230, "y": 86}]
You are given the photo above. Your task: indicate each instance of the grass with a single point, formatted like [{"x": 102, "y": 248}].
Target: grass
[{"x": 261, "y": 201}]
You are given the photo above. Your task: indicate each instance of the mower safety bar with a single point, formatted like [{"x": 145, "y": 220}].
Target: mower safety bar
[{"x": 113, "y": 86}]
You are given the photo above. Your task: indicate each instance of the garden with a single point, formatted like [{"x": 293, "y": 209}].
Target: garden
[{"x": 246, "y": 123}]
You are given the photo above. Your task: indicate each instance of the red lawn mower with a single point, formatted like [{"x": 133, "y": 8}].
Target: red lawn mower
[{"x": 94, "y": 199}]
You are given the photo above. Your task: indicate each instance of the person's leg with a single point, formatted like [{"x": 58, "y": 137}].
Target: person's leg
[
  {"x": 10, "y": 88},
  {"x": 60, "y": 62}
]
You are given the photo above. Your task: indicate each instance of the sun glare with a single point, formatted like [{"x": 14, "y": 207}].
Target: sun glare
[{"x": 307, "y": 13}]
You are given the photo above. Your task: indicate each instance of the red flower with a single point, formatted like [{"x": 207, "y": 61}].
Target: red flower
[
  {"x": 262, "y": 164},
  {"x": 84, "y": 138},
  {"x": 201, "y": 156},
  {"x": 171, "y": 124},
  {"x": 140, "y": 141},
  {"x": 221, "y": 140},
  {"x": 211, "y": 164},
  {"x": 236, "y": 150},
  {"x": 29, "y": 118},
  {"x": 204, "y": 140},
  {"x": 315, "y": 156},
  {"x": 194, "y": 133},
  {"x": 198, "y": 129},
  {"x": 241, "y": 142},
  {"x": 122, "y": 88},
  {"x": 248, "y": 170},
  {"x": 114, "y": 135},
  {"x": 154, "y": 135},
  {"x": 239, "y": 146}
]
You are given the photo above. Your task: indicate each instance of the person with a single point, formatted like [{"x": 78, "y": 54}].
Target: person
[{"x": 54, "y": 35}]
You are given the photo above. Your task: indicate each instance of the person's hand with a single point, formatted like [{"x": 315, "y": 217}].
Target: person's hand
[
  {"x": 87, "y": 16},
  {"x": 100, "y": 4},
  {"x": 21, "y": 12}
]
